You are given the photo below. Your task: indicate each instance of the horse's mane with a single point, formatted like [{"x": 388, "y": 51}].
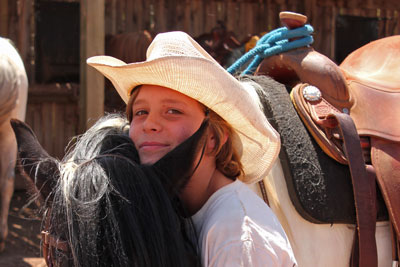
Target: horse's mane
[{"x": 114, "y": 211}]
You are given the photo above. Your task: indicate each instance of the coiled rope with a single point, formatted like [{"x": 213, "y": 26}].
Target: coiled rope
[{"x": 273, "y": 43}]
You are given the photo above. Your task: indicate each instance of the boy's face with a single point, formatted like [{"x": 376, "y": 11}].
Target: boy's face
[{"x": 162, "y": 119}]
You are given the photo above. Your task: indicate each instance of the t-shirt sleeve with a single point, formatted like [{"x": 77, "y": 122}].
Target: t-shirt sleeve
[{"x": 246, "y": 253}]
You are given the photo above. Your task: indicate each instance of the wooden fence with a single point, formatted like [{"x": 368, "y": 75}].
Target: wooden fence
[
  {"x": 247, "y": 17},
  {"x": 53, "y": 108},
  {"x": 52, "y": 113}
]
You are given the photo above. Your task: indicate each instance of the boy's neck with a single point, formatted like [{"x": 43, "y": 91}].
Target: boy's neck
[{"x": 201, "y": 186}]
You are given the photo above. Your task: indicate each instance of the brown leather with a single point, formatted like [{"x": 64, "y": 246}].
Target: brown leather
[
  {"x": 368, "y": 88},
  {"x": 50, "y": 242},
  {"x": 309, "y": 66},
  {"x": 375, "y": 64},
  {"x": 292, "y": 20},
  {"x": 386, "y": 159},
  {"x": 375, "y": 111},
  {"x": 263, "y": 192},
  {"x": 311, "y": 113},
  {"x": 373, "y": 76},
  {"x": 364, "y": 249}
]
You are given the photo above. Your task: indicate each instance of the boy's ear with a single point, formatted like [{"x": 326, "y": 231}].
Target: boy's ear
[
  {"x": 212, "y": 140},
  {"x": 41, "y": 168}
]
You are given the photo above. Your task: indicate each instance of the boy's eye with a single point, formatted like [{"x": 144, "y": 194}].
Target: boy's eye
[
  {"x": 140, "y": 112},
  {"x": 173, "y": 111}
]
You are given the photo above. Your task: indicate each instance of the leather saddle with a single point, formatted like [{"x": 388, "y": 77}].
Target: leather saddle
[{"x": 352, "y": 111}]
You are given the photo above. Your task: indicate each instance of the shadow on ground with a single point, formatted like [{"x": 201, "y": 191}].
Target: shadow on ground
[{"x": 23, "y": 242}]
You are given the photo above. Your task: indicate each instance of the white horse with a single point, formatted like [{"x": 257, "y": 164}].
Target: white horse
[
  {"x": 13, "y": 99},
  {"x": 329, "y": 244}
]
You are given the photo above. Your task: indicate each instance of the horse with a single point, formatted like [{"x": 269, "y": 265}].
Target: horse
[
  {"x": 311, "y": 189},
  {"x": 102, "y": 208},
  {"x": 13, "y": 99},
  {"x": 220, "y": 43},
  {"x": 304, "y": 167},
  {"x": 128, "y": 47}
]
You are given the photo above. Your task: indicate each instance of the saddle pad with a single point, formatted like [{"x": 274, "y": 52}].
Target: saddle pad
[{"x": 319, "y": 187}]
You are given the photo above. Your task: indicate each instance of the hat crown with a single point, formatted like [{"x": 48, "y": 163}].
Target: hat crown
[{"x": 178, "y": 44}]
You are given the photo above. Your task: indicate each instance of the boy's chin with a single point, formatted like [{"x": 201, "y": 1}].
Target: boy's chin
[{"x": 150, "y": 160}]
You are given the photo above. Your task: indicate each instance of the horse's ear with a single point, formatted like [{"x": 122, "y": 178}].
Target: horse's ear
[
  {"x": 37, "y": 163},
  {"x": 178, "y": 165}
]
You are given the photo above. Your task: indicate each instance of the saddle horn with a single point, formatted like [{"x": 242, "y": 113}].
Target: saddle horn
[
  {"x": 308, "y": 66},
  {"x": 37, "y": 163}
]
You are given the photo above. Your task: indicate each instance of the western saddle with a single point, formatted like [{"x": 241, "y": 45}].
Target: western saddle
[{"x": 352, "y": 111}]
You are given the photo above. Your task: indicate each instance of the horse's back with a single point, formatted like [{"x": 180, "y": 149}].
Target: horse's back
[
  {"x": 13, "y": 83},
  {"x": 316, "y": 241},
  {"x": 327, "y": 245},
  {"x": 13, "y": 99}
]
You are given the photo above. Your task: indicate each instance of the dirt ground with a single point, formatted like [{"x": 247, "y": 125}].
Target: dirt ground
[{"x": 23, "y": 242}]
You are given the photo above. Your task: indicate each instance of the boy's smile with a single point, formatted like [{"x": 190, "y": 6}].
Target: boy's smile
[{"x": 162, "y": 119}]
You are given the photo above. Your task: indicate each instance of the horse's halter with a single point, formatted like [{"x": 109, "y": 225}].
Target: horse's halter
[{"x": 51, "y": 243}]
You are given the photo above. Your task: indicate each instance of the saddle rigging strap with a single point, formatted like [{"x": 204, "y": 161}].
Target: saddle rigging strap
[{"x": 363, "y": 179}]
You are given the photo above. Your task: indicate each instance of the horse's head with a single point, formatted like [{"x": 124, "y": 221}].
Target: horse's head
[
  {"x": 106, "y": 208},
  {"x": 44, "y": 172},
  {"x": 37, "y": 163}
]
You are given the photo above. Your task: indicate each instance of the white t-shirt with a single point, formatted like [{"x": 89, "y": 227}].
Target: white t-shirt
[{"x": 236, "y": 228}]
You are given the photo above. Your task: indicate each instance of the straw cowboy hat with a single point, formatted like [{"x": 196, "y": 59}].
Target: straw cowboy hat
[{"x": 176, "y": 61}]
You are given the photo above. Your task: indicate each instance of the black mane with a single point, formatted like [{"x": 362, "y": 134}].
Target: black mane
[{"x": 113, "y": 211}]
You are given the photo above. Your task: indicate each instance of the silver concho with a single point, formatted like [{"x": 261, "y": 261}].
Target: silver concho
[{"x": 311, "y": 93}]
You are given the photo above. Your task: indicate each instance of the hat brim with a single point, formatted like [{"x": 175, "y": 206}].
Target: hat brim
[{"x": 208, "y": 83}]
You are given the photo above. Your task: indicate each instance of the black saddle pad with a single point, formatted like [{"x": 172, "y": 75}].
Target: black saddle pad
[{"x": 319, "y": 187}]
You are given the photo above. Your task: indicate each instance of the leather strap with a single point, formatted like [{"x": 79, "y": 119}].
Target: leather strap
[
  {"x": 385, "y": 157},
  {"x": 314, "y": 116},
  {"x": 49, "y": 241},
  {"x": 364, "y": 249},
  {"x": 263, "y": 191}
]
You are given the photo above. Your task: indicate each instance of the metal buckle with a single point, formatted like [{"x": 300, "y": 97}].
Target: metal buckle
[{"x": 45, "y": 247}]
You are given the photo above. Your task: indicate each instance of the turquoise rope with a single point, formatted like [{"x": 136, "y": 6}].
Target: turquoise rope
[{"x": 273, "y": 43}]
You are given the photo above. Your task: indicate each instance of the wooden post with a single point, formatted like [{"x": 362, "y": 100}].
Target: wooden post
[
  {"x": 91, "y": 96},
  {"x": 3, "y": 18}
]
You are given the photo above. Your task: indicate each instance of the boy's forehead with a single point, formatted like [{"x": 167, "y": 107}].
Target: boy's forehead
[{"x": 149, "y": 92}]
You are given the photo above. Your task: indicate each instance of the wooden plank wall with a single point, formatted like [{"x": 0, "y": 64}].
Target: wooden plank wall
[
  {"x": 53, "y": 113},
  {"x": 246, "y": 17},
  {"x": 323, "y": 17},
  {"x": 198, "y": 16}
]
